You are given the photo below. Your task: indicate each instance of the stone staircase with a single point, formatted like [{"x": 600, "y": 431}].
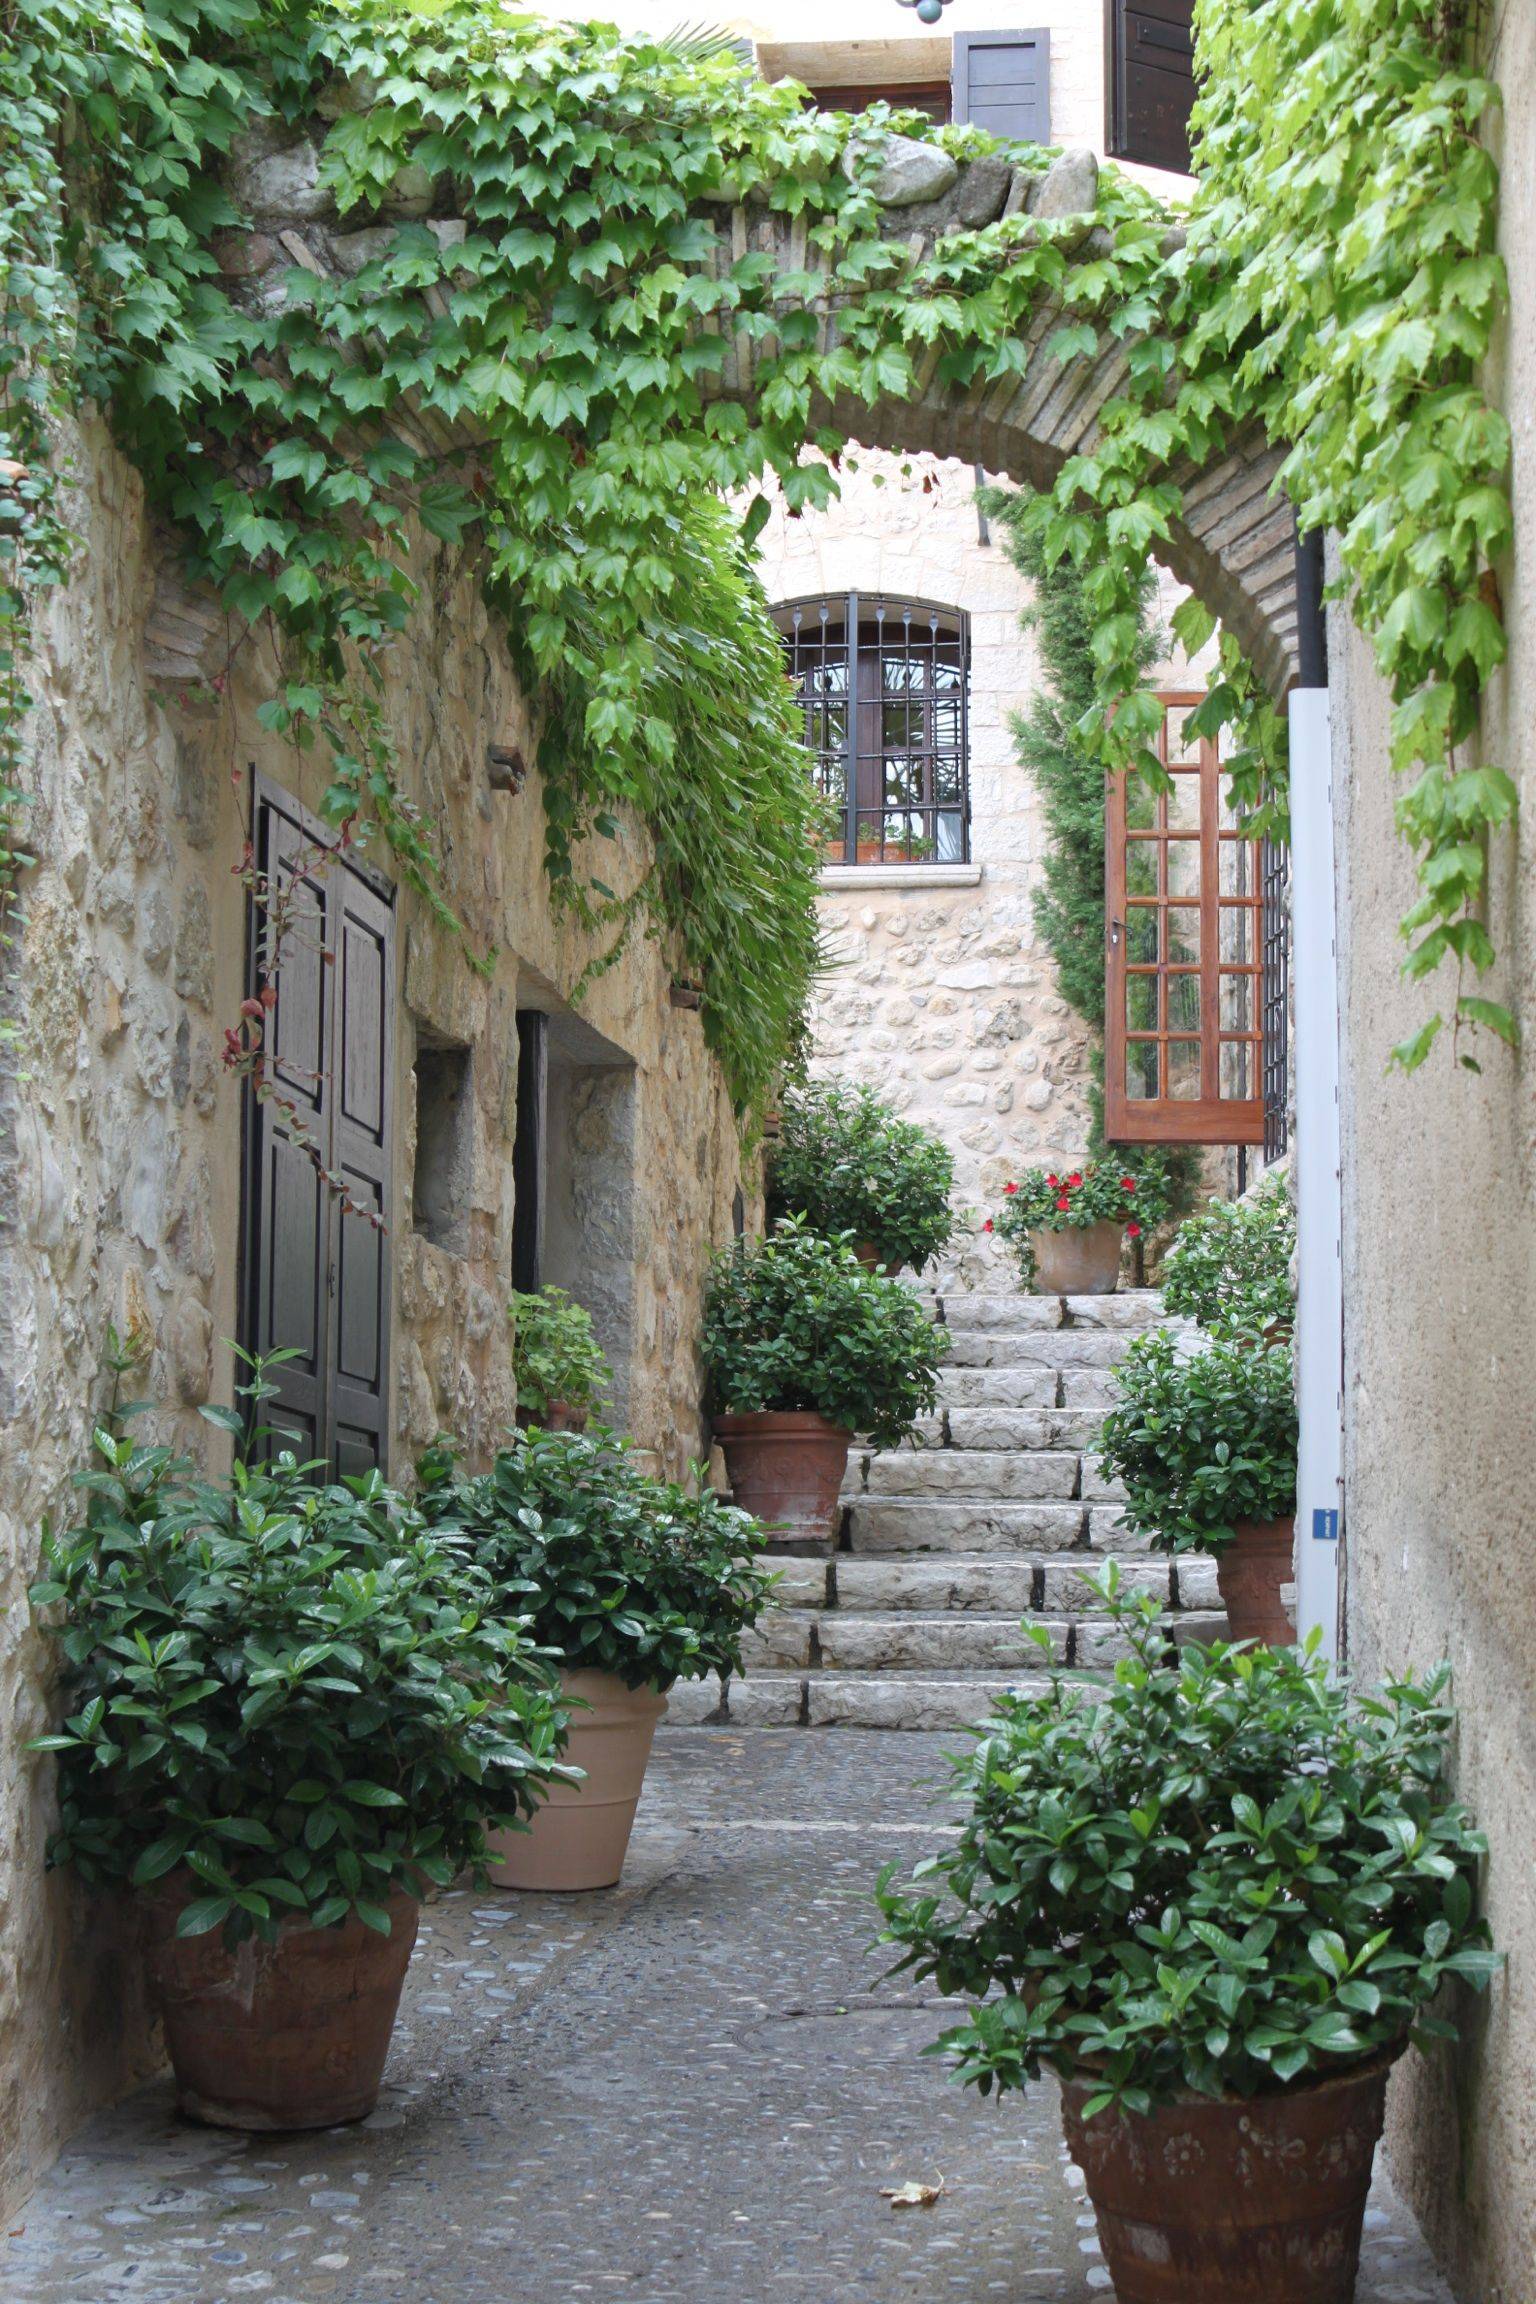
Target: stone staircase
[{"x": 989, "y": 1519}]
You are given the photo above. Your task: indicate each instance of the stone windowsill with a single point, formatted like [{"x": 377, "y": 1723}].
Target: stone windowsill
[{"x": 900, "y": 876}]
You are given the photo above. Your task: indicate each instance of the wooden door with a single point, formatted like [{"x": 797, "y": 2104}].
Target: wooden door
[
  {"x": 316, "y": 1273},
  {"x": 1183, "y": 1044},
  {"x": 1151, "y": 56}
]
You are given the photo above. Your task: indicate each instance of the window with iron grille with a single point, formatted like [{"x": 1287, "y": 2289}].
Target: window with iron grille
[
  {"x": 885, "y": 689},
  {"x": 1274, "y": 882}
]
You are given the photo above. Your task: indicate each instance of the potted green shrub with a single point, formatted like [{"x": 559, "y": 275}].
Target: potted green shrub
[
  {"x": 557, "y": 1362},
  {"x": 1205, "y": 1443},
  {"x": 632, "y": 1583},
  {"x": 804, "y": 1348},
  {"x": 845, "y": 1161},
  {"x": 1230, "y": 1266},
  {"x": 290, "y": 1711},
  {"x": 1215, "y": 1900},
  {"x": 1066, "y": 1229}
]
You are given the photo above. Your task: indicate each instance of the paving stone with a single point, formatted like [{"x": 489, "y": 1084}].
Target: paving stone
[
  {"x": 697, "y": 2085},
  {"x": 879, "y": 1526},
  {"x": 1028, "y": 1473}
]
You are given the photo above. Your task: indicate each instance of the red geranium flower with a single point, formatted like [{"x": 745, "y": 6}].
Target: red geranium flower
[
  {"x": 1075, "y": 1179},
  {"x": 988, "y": 1225},
  {"x": 1134, "y": 1230},
  {"x": 1052, "y": 1179},
  {"x": 1010, "y": 1187},
  {"x": 1127, "y": 1183},
  {"x": 1063, "y": 1203}
]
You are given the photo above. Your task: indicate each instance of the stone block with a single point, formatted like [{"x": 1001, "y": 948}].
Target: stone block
[
  {"x": 915, "y": 1701},
  {"x": 1109, "y": 1532},
  {"x": 935, "y": 1585},
  {"x": 695, "y": 1703},
  {"x": 884, "y": 1527},
  {"x": 1066, "y": 1592},
  {"x": 767, "y": 1700},
  {"x": 779, "y": 1641},
  {"x": 1196, "y": 1578},
  {"x": 1026, "y": 1475},
  {"x": 910, "y": 172}
]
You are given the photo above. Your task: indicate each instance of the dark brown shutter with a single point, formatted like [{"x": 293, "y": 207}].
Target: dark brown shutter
[
  {"x": 530, "y": 1150},
  {"x": 316, "y": 1281},
  {"x": 1183, "y": 1040},
  {"x": 1151, "y": 81},
  {"x": 1002, "y": 82}
]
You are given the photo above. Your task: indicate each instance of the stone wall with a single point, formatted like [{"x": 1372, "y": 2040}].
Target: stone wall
[
  {"x": 940, "y": 993},
  {"x": 1440, "y": 1376},
  {"x": 120, "y": 1159}
]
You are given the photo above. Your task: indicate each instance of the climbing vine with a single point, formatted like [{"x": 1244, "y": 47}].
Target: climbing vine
[{"x": 527, "y": 356}]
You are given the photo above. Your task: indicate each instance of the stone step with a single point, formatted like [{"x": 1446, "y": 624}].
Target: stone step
[
  {"x": 1033, "y": 1388},
  {"x": 1035, "y": 1348},
  {"x": 1130, "y": 1309},
  {"x": 876, "y": 1525},
  {"x": 1023, "y": 1474},
  {"x": 849, "y": 1641},
  {"x": 1007, "y": 1428},
  {"x": 994, "y": 1584},
  {"x": 909, "y": 1700}
]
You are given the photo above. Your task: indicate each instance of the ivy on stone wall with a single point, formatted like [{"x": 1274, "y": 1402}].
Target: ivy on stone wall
[{"x": 526, "y": 357}]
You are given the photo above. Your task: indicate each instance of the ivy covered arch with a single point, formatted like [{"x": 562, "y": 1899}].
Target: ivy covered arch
[{"x": 342, "y": 271}]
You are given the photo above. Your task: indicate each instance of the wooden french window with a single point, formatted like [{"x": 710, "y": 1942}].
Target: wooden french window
[
  {"x": 1187, "y": 933},
  {"x": 316, "y": 1279}
]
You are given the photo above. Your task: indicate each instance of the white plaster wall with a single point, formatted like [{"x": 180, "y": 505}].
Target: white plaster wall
[{"x": 1440, "y": 1313}]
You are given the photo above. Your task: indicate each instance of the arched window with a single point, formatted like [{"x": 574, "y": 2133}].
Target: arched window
[{"x": 885, "y": 686}]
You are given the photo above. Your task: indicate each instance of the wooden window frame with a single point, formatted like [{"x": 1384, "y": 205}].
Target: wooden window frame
[
  {"x": 1209, "y": 1118},
  {"x": 1119, "y": 143}
]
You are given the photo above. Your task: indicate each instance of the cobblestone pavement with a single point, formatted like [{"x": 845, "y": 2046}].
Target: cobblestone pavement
[{"x": 693, "y": 2088}]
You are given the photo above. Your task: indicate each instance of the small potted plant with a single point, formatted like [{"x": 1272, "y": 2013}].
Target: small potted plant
[
  {"x": 1066, "y": 1228},
  {"x": 1215, "y": 1900},
  {"x": 632, "y": 1583},
  {"x": 290, "y": 1711},
  {"x": 1205, "y": 1443},
  {"x": 557, "y": 1363},
  {"x": 1230, "y": 1266},
  {"x": 847, "y": 1163},
  {"x": 804, "y": 1348}
]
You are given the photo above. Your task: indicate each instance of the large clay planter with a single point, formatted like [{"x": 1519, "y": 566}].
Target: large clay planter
[
  {"x": 285, "y": 2035},
  {"x": 1221, "y": 2200},
  {"x": 786, "y": 1468},
  {"x": 1084, "y": 1260},
  {"x": 579, "y": 1837},
  {"x": 1250, "y": 1571}
]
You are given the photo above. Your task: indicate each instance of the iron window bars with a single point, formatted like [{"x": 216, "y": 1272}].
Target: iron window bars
[{"x": 885, "y": 687}]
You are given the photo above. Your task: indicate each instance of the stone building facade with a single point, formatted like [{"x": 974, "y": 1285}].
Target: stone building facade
[{"x": 124, "y": 1168}]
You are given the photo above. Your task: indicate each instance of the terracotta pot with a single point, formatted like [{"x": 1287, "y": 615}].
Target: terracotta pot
[
  {"x": 869, "y": 1256},
  {"x": 579, "y": 1837},
  {"x": 1222, "y": 2200},
  {"x": 1084, "y": 1260},
  {"x": 786, "y": 1468},
  {"x": 1250, "y": 1571},
  {"x": 285, "y": 2035},
  {"x": 559, "y": 1416}
]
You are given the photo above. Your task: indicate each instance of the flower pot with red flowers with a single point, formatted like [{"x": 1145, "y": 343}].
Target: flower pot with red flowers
[
  {"x": 1214, "y": 1900},
  {"x": 1066, "y": 1227},
  {"x": 805, "y": 1348},
  {"x": 1205, "y": 1445}
]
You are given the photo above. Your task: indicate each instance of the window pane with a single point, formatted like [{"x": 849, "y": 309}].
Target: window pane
[
  {"x": 1237, "y": 1004},
  {"x": 1142, "y": 861},
  {"x": 1141, "y": 1070},
  {"x": 1140, "y": 805},
  {"x": 949, "y": 847},
  {"x": 1180, "y": 745},
  {"x": 1239, "y": 868},
  {"x": 1142, "y": 945},
  {"x": 1239, "y": 941},
  {"x": 1184, "y": 804},
  {"x": 1183, "y": 934},
  {"x": 1141, "y": 1003},
  {"x": 1183, "y": 1003},
  {"x": 1183, "y": 868},
  {"x": 1237, "y": 1071},
  {"x": 1184, "y": 1069}
]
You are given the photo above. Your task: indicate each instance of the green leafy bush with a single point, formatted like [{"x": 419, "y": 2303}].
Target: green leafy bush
[
  {"x": 1100, "y": 1192},
  {"x": 845, "y": 1161},
  {"x": 1223, "y": 1873},
  {"x": 613, "y": 1570},
  {"x": 1230, "y": 1267},
  {"x": 795, "y": 1322},
  {"x": 1202, "y": 1440},
  {"x": 299, "y": 1693},
  {"x": 556, "y": 1359}
]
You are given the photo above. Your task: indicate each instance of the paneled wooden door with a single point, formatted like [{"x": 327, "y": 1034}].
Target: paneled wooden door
[
  {"x": 1183, "y": 1043},
  {"x": 316, "y": 1279}
]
